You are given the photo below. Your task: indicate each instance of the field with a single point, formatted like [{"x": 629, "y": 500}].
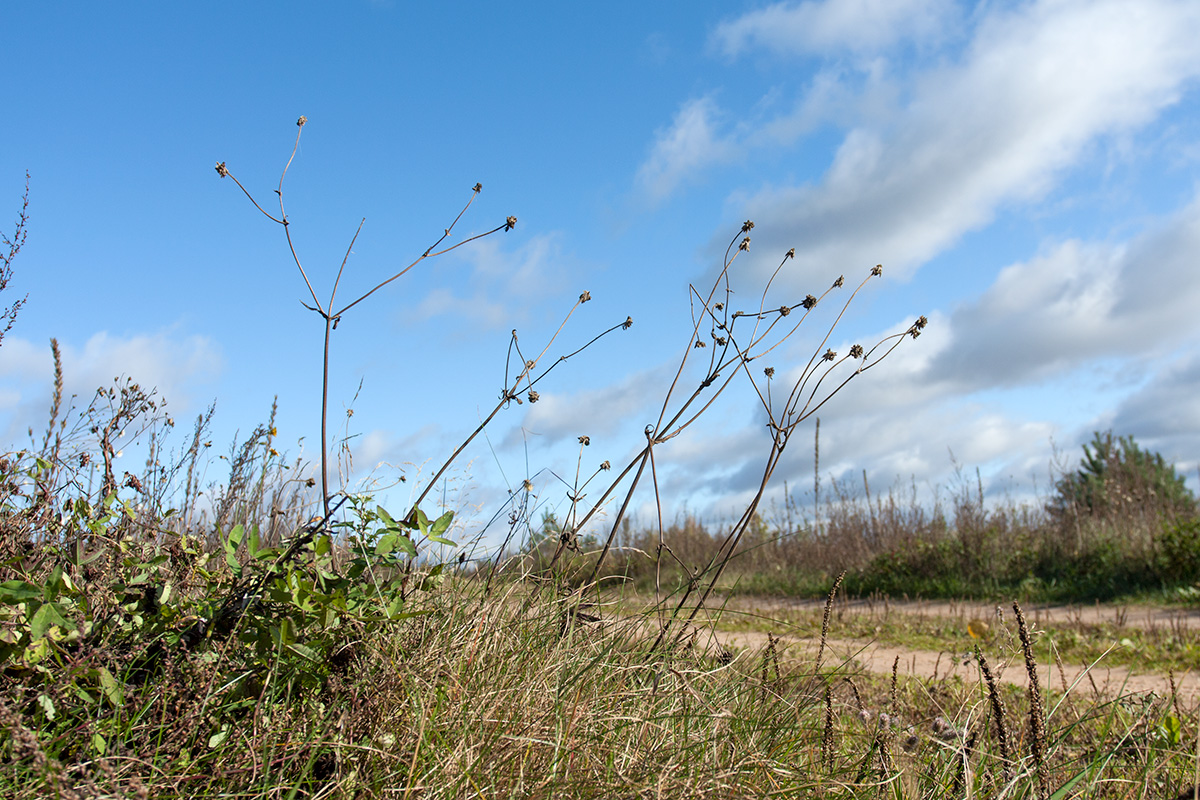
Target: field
[{"x": 276, "y": 635}]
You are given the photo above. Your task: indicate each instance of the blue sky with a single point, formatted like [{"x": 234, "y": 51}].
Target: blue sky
[{"x": 1026, "y": 172}]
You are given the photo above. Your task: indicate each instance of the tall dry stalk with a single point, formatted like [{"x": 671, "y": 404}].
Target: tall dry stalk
[
  {"x": 1037, "y": 714},
  {"x": 327, "y": 311}
]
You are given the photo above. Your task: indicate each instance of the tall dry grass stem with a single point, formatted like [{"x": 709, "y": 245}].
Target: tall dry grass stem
[{"x": 1037, "y": 714}]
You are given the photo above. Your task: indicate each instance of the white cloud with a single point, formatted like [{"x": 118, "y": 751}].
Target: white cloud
[
  {"x": 502, "y": 282},
  {"x": 174, "y": 365},
  {"x": 685, "y": 148},
  {"x": 1034, "y": 88},
  {"x": 1075, "y": 303},
  {"x": 833, "y": 26}
]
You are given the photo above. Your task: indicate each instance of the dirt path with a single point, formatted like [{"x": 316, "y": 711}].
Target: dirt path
[{"x": 878, "y": 658}]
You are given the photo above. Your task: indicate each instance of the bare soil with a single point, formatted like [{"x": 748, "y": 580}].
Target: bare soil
[{"x": 872, "y": 656}]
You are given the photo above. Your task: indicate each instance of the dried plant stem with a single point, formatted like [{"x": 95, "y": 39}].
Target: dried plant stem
[
  {"x": 1037, "y": 719},
  {"x": 998, "y": 711}
]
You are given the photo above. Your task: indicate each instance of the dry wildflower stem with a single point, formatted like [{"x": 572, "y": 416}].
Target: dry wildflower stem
[
  {"x": 1037, "y": 719},
  {"x": 327, "y": 312}
]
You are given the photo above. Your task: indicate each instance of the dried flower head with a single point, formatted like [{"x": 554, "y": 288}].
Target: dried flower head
[
  {"x": 585, "y": 440},
  {"x": 791, "y": 253},
  {"x": 627, "y": 324},
  {"x": 311, "y": 482},
  {"x": 509, "y": 223},
  {"x": 785, "y": 310},
  {"x": 809, "y": 301},
  {"x": 856, "y": 351},
  {"x": 300, "y": 122},
  {"x": 839, "y": 282},
  {"x": 529, "y": 365},
  {"x": 719, "y": 306},
  {"x": 604, "y": 465},
  {"x": 477, "y": 188},
  {"x": 533, "y": 396},
  {"x": 527, "y": 485},
  {"x": 132, "y": 482},
  {"x": 877, "y": 270},
  {"x": 747, "y": 226},
  {"x": 700, "y": 343},
  {"x": 769, "y": 372},
  {"x": 583, "y": 298},
  {"x": 745, "y": 245},
  {"x": 829, "y": 355},
  {"x": 721, "y": 341},
  {"x": 221, "y": 169},
  {"x": 918, "y": 326}
]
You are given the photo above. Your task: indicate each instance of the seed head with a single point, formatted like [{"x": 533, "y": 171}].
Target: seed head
[
  {"x": 785, "y": 310},
  {"x": 533, "y": 396},
  {"x": 747, "y": 226},
  {"x": 809, "y": 301},
  {"x": 477, "y": 188},
  {"x": 585, "y": 440},
  {"x": 719, "y": 306},
  {"x": 221, "y": 169},
  {"x": 583, "y": 298},
  {"x": 877, "y": 269},
  {"x": 721, "y": 341},
  {"x": 829, "y": 356},
  {"x": 791, "y": 253},
  {"x": 769, "y": 372},
  {"x": 604, "y": 465},
  {"x": 300, "y": 122},
  {"x": 856, "y": 351},
  {"x": 745, "y": 245},
  {"x": 700, "y": 343},
  {"x": 527, "y": 485},
  {"x": 509, "y": 223},
  {"x": 841, "y": 280},
  {"x": 627, "y": 324}
]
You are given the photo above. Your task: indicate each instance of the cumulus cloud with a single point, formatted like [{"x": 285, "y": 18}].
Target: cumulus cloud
[
  {"x": 175, "y": 365},
  {"x": 833, "y": 26},
  {"x": 1034, "y": 87},
  {"x": 502, "y": 282},
  {"x": 1077, "y": 302},
  {"x": 684, "y": 149}
]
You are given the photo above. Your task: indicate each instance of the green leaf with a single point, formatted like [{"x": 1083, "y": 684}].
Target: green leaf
[
  {"x": 47, "y": 706},
  {"x": 386, "y": 517},
  {"x": 305, "y": 651},
  {"x": 440, "y": 540},
  {"x": 48, "y": 615},
  {"x": 218, "y": 738},
  {"x": 18, "y": 591},
  {"x": 112, "y": 689},
  {"x": 99, "y": 743},
  {"x": 440, "y": 525},
  {"x": 406, "y": 544}
]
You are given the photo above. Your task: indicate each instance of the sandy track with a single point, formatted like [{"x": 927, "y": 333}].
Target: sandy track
[
  {"x": 875, "y": 657},
  {"x": 878, "y": 658}
]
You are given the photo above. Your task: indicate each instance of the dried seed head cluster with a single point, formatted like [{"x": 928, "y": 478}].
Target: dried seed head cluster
[
  {"x": 745, "y": 245},
  {"x": 604, "y": 465},
  {"x": 830, "y": 355},
  {"x": 877, "y": 270},
  {"x": 918, "y": 326},
  {"x": 509, "y": 223},
  {"x": 747, "y": 226},
  {"x": 533, "y": 396},
  {"x": 300, "y": 122},
  {"x": 856, "y": 351},
  {"x": 477, "y": 188},
  {"x": 769, "y": 372},
  {"x": 808, "y": 302},
  {"x": 583, "y": 298},
  {"x": 221, "y": 169},
  {"x": 585, "y": 440},
  {"x": 790, "y": 253},
  {"x": 627, "y": 324},
  {"x": 785, "y": 310}
]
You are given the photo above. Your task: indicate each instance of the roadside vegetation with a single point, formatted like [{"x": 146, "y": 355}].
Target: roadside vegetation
[{"x": 270, "y": 634}]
